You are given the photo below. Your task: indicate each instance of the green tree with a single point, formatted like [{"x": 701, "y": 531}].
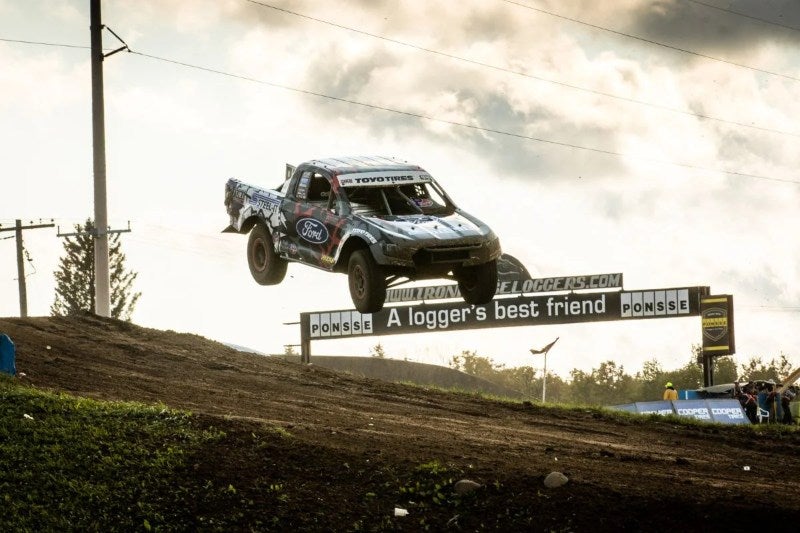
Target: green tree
[
  {"x": 775, "y": 370},
  {"x": 606, "y": 385},
  {"x": 522, "y": 379},
  {"x": 475, "y": 365},
  {"x": 288, "y": 349},
  {"x": 651, "y": 381},
  {"x": 725, "y": 370},
  {"x": 378, "y": 351},
  {"x": 75, "y": 276}
]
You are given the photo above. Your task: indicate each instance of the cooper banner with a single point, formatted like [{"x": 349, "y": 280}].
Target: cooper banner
[
  {"x": 717, "y": 324},
  {"x": 504, "y": 312}
]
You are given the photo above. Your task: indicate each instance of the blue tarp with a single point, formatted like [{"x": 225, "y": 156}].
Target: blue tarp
[{"x": 7, "y": 355}]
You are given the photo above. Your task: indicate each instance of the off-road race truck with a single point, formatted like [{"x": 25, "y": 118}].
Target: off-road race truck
[{"x": 378, "y": 219}]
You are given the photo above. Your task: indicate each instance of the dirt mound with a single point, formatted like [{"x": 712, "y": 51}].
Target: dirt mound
[{"x": 621, "y": 474}]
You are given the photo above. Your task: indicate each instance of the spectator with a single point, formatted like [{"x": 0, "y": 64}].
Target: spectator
[
  {"x": 747, "y": 398},
  {"x": 772, "y": 402},
  {"x": 787, "y": 396},
  {"x": 669, "y": 392}
]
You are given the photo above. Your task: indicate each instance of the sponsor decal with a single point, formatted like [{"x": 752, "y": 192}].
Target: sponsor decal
[
  {"x": 655, "y": 303},
  {"x": 312, "y": 230},
  {"x": 504, "y": 287},
  {"x": 717, "y": 324},
  {"x": 364, "y": 233},
  {"x": 662, "y": 408},
  {"x": 339, "y": 324},
  {"x": 697, "y": 409},
  {"x": 378, "y": 178},
  {"x": 730, "y": 412},
  {"x": 328, "y": 260},
  {"x": 700, "y": 413},
  {"x": 422, "y": 220},
  {"x": 264, "y": 201}
]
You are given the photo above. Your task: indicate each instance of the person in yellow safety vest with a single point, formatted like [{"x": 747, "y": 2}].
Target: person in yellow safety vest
[{"x": 669, "y": 392}]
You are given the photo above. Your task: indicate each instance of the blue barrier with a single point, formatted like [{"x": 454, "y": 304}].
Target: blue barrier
[
  {"x": 7, "y": 355},
  {"x": 663, "y": 407},
  {"x": 720, "y": 411},
  {"x": 727, "y": 412},
  {"x": 628, "y": 407},
  {"x": 697, "y": 409}
]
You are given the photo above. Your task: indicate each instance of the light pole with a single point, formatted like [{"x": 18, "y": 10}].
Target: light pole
[{"x": 544, "y": 350}]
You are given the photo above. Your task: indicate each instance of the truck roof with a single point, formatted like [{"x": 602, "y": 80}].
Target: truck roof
[{"x": 355, "y": 164}]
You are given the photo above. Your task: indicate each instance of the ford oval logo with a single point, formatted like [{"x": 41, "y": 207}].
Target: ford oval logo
[{"x": 312, "y": 230}]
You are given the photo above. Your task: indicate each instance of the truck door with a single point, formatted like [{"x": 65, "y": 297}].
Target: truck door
[{"x": 313, "y": 221}]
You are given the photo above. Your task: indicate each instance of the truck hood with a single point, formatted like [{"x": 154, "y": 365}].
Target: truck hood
[{"x": 428, "y": 228}]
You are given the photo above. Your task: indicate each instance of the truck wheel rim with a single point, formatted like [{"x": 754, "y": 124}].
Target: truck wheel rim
[
  {"x": 259, "y": 255},
  {"x": 359, "y": 282}
]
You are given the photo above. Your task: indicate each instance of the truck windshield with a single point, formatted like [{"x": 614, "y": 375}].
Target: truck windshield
[{"x": 399, "y": 200}]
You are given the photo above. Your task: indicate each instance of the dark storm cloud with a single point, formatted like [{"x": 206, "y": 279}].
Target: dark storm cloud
[
  {"x": 514, "y": 148},
  {"x": 697, "y": 27}
]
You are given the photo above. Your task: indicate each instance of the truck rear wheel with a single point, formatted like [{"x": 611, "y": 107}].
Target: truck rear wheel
[
  {"x": 478, "y": 283},
  {"x": 265, "y": 265},
  {"x": 367, "y": 282}
]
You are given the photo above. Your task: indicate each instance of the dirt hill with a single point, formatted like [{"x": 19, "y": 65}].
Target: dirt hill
[
  {"x": 622, "y": 474},
  {"x": 409, "y": 372}
]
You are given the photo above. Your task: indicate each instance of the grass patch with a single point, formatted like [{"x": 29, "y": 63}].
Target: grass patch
[{"x": 70, "y": 463}]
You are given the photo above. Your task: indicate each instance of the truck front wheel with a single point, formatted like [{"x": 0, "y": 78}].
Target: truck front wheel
[
  {"x": 367, "y": 282},
  {"x": 478, "y": 283},
  {"x": 265, "y": 265}
]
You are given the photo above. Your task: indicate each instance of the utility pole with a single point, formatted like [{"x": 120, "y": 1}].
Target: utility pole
[
  {"x": 23, "y": 289},
  {"x": 102, "y": 277}
]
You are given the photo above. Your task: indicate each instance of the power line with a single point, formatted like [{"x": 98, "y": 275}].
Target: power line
[
  {"x": 650, "y": 41},
  {"x": 489, "y": 66},
  {"x": 524, "y": 74},
  {"x": 454, "y": 123},
  {"x": 745, "y": 15},
  {"x": 41, "y": 43},
  {"x": 461, "y": 124}
]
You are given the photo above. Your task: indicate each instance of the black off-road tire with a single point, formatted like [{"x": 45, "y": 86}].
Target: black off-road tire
[
  {"x": 265, "y": 265},
  {"x": 478, "y": 283},
  {"x": 367, "y": 282}
]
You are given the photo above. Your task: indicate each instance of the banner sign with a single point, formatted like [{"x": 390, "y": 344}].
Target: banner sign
[
  {"x": 504, "y": 312},
  {"x": 727, "y": 411},
  {"x": 720, "y": 411},
  {"x": 717, "y": 324},
  {"x": 510, "y": 286}
]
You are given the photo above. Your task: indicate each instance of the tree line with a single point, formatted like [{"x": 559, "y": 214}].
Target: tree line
[{"x": 610, "y": 384}]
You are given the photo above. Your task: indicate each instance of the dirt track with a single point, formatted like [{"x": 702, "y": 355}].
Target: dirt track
[{"x": 621, "y": 475}]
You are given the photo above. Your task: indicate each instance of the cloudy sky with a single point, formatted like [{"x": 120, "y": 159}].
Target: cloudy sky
[{"x": 656, "y": 138}]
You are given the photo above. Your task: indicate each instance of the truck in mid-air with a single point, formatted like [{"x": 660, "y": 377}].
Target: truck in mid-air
[{"x": 380, "y": 220}]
